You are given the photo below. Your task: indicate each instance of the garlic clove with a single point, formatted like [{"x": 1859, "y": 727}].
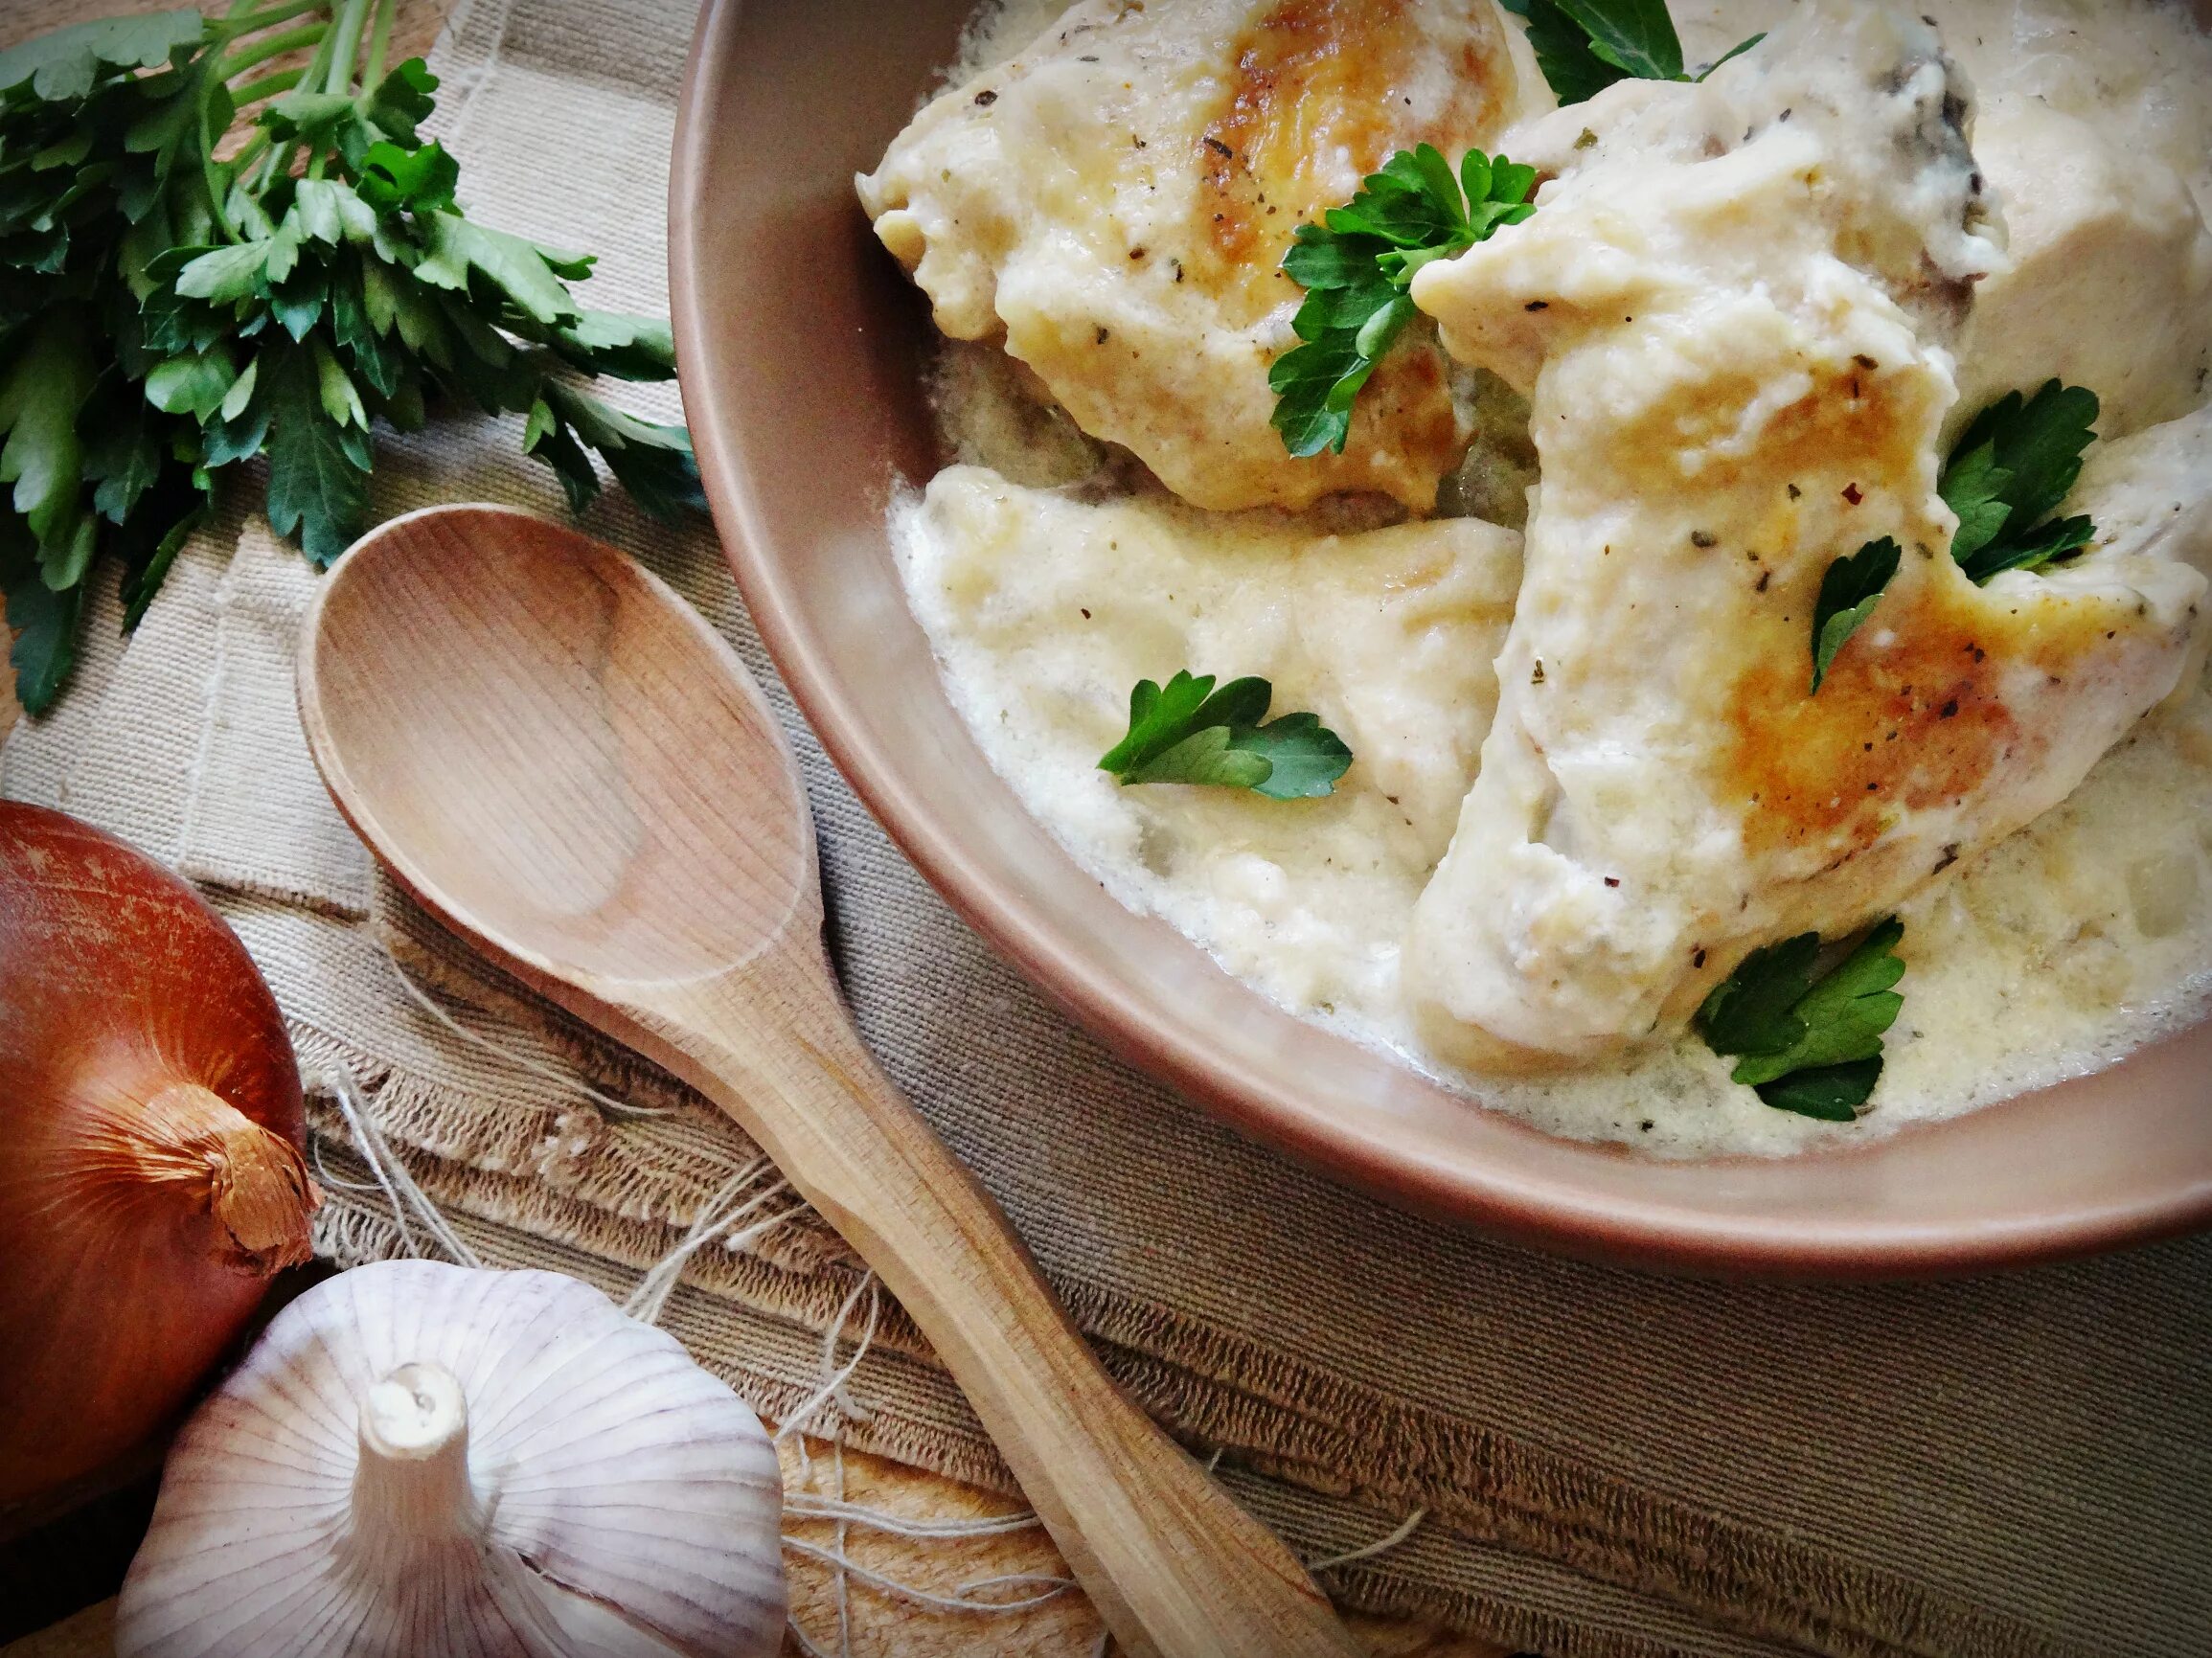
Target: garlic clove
[{"x": 420, "y": 1460}]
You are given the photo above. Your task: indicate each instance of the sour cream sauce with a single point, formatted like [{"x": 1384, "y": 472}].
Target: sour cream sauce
[{"x": 1047, "y": 589}]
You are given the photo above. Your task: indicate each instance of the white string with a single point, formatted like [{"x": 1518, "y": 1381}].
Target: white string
[
  {"x": 325, "y": 1179},
  {"x": 1381, "y": 1546},
  {"x": 802, "y": 1507},
  {"x": 1055, "y": 1581},
  {"x": 831, "y": 1388},
  {"x": 391, "y": 1174},
  {"x": 607, "y": 1103},
  {"x": 921, "y": 1597},
  {"x": 844, "y": 1563},
  {"x": 715, "y": 1218}
]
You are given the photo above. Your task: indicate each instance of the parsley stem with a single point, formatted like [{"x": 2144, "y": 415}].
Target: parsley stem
[
  {"x": 235, "y": 63},
  {"x": 339, "y": 77},
  {"x": 351, "y": 22},
  {"x": 379, "y": 42},
  {"x": 251, "y": 151},
  {"x": 243, "y": 22},
  {"x": 213, "y": 175},
  {"x": 267, "y": 86},
  {"x": 279, "y": 160}
]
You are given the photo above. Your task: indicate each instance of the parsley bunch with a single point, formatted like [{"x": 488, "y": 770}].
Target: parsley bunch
[
  {"x": 1811, "y": 1046},
  {"x": 167, "y": 312},
  {"x": 1356, "y": 268},
  {"x": 2008, "y": 473},
  {"x": 1188, "y": 731},
  {"x": 1583, "y": 46}
]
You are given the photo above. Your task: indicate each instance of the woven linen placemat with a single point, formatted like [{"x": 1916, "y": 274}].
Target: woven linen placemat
[{"x": 1612, "y": 1465}]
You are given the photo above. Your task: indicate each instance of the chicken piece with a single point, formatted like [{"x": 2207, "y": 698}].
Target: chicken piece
[
  {"x": 2110, "y": 281},
  {"x": 1387, "y": 634},
  {"x": 1732, "y": 308},
  {"x": 1116, "y": 200}
]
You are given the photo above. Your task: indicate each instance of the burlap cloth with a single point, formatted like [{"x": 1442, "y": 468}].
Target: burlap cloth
[{"x": 1611, "y": 1464}]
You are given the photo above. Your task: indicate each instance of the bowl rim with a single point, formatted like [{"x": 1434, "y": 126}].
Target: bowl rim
[{"x": 1552, "y": 1214}]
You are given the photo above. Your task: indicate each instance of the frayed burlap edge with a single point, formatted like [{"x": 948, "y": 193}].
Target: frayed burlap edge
[{"x": 1285, "y": 1421}]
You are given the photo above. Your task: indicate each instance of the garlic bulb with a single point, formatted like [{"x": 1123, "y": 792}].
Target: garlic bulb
[{"x": 421, "y": 1461}]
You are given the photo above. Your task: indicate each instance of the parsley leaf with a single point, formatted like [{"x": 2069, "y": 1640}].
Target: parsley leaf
[
  {"x": 66, "y": 63},
  {"x": 1849, "y": 593},
  {"x": 182, "y": 290},
  {"x": 1356, "y": 267},
  {"x": 1813, "y": 1047},
  {"x": 1583, "y": 46},
  {"x": 1188, "y": 731},
  {"x": 2010, "y": 471},
  {"x": 45, "y": 624},
  {"x": 41, "y": 398},
  {"x": 318, "y": 466}
]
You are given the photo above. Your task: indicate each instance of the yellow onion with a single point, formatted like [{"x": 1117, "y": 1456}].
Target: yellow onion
[{"x": 150, "y": 1131}]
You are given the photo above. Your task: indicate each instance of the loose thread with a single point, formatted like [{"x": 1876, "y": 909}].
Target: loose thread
[
  {"x": 1380, "y": 1546},
  {"x": 834, "y": 1386},
  {"x": 620, "y": 1110},
  {"x": 802, "y": 1507},
  {"x": 715, "y": 1218},
  {"x": 391, "y": 1173},
  {"x": 332, "y": 1182},
  {"x": 844, "y": 1560},
  {"x": 921, "y": 1597}
]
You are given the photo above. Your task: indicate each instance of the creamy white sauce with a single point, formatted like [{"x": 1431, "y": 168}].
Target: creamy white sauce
[{"x": 2056, "y": 953}]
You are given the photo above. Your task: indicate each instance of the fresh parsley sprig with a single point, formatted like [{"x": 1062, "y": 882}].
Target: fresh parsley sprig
[
  {"x": 1849, "y": 594},
  {"x": 1813, "y": 1047},
  {"x": 1356, "y": 268},
  {"x": 1188, "y": 731},
  {"x": 171, "y": 305},
  {"x": 2007, "y": 474},
  {"x": 1583, "y": 46}
]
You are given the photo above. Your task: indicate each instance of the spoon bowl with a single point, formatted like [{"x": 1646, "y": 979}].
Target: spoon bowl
[
  {"x": 568, "y": 766},
  {"x": 576, "y": 835}
]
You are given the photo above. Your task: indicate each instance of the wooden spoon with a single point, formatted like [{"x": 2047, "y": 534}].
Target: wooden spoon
[{"x": 564, "y": 762}]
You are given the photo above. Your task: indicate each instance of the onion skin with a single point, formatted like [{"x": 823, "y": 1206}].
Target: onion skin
[{"x": 151, "y": 1180}]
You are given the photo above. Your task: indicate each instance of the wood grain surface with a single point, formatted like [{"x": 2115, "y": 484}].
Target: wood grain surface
[{"x": 872, "y": 1621}]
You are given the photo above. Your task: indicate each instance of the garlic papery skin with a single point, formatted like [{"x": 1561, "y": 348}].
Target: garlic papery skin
[{"x": 421, "y": 1461}]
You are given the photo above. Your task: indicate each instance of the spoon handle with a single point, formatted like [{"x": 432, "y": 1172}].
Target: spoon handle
[{"x": 1176, "y": 1568}]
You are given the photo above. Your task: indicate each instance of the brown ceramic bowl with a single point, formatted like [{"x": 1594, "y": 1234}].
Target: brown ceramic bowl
[{"x": 800, "y": 343}]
